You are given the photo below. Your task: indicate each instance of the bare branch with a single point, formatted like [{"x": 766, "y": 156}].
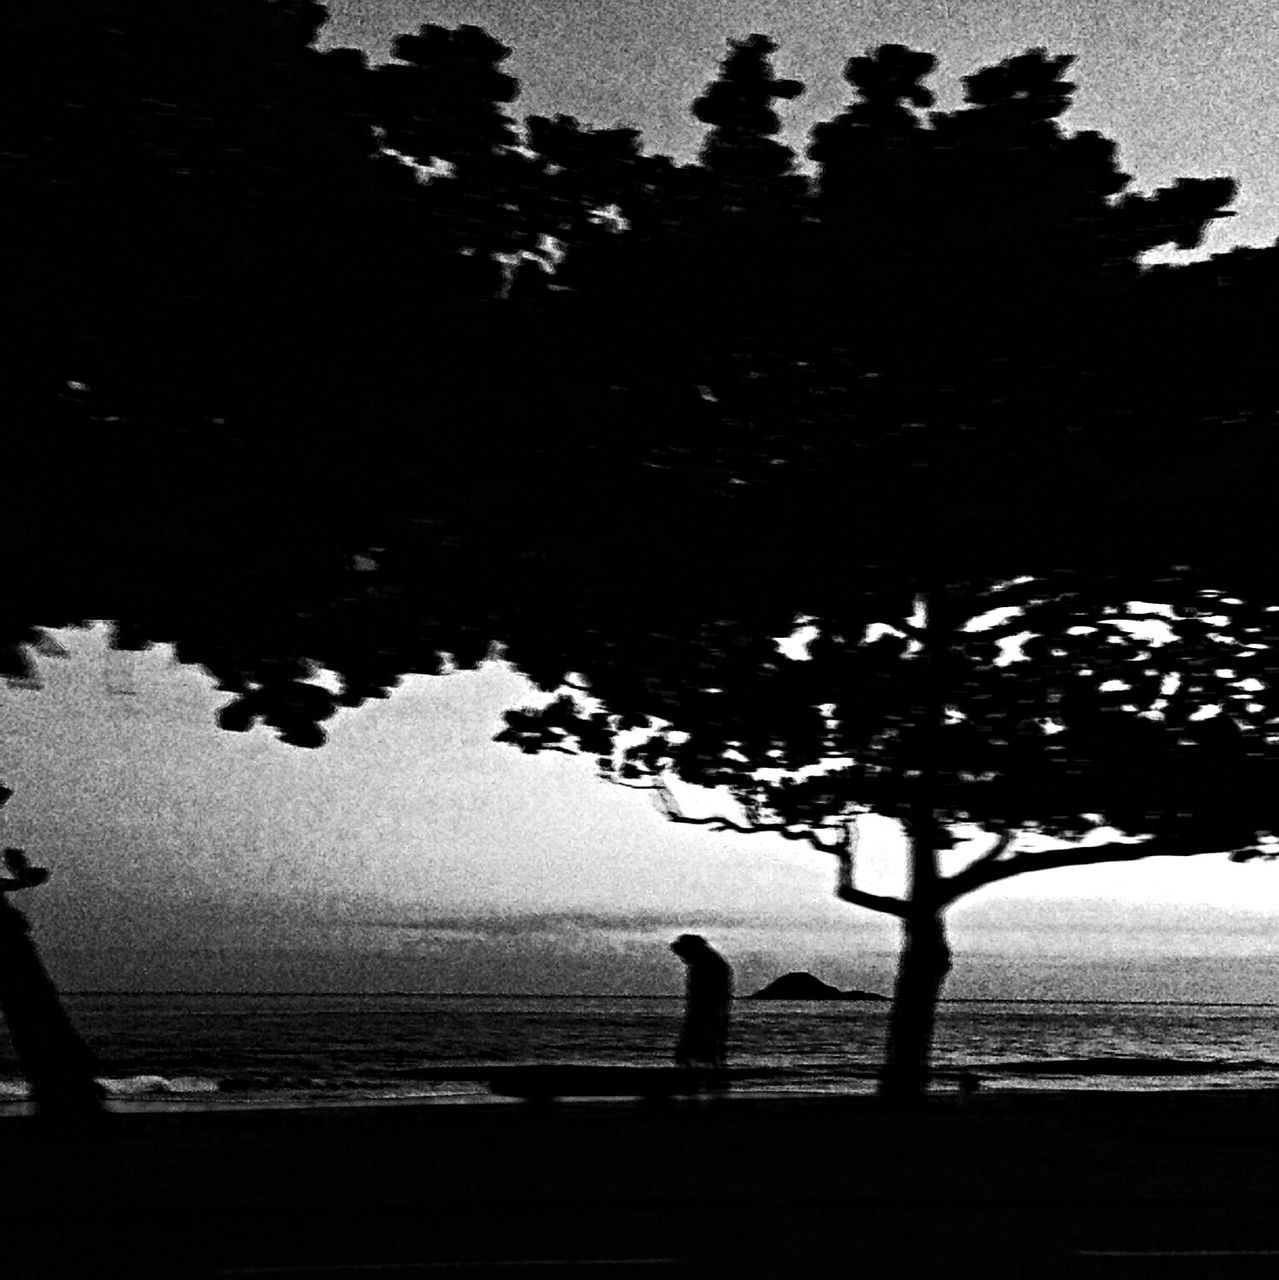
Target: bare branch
[
  {"x": 852, "y": 840},
  {"x": 670, "y": 808},
  {"x": 845, "y": 888},
  {"x": 984, "y": 872},
  {"x": 718, "y": 822},
  {"x": 872, "y": 901},
  {"x": 844, "y": 848},
  {"x": 1003, "y": 842}
]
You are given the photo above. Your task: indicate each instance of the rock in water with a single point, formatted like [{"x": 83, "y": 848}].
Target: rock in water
[{"x": 804, "y": 986}]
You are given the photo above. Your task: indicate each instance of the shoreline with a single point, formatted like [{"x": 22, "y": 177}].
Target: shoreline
[
  {"x": 212, "y": 1103},
  {"x": 860, "y": 1085},
  {"x": 1007, "y": 1102}
]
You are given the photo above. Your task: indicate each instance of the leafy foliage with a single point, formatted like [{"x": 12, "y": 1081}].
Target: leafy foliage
[
  {"x": 290, "y": 402},
  {"x": 1064, "y": 719}
]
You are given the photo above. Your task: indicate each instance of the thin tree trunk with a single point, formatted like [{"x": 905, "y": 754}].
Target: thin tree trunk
[
  {"x": 921, "y": 975},
  {"x": 925, "y": 954},
  {"x": 56, "y": 1062}
]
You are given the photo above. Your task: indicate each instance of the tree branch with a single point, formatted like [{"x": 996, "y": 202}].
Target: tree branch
[
  {"x": 984, "y": 871},
  {"x": 872, "y": 901},
  {"x": 717, "y": 822},
  {"x": 845, "y": 888},
  {"x": 1003, "y": 842},
  {"x": 843, "y": 849}
]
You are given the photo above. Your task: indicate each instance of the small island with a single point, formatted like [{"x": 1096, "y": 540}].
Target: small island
[{"x": 804, "y": 986}]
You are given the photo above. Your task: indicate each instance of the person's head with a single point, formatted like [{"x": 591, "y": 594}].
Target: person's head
[{"x": 689, "y": 944}]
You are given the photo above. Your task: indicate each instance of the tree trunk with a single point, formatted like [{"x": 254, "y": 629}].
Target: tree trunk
[
  {"x": 921, "y": 974},
  {"x": 925, "y": 955},
  {"x": 56, "y": 1062}
]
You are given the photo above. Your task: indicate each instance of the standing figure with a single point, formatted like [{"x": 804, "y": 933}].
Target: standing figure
[
  {"x": 58, "y": 1065},
  {"x": 709, "y": 995}
]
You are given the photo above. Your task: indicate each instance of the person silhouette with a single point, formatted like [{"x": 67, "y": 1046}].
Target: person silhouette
[
  {"x": 58, "y": 1065},
  {"x": 709, "y": 994}
]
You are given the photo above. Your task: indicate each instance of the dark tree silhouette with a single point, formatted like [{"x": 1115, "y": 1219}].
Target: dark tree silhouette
[
  {"x": 971, "y": 459},
  {"x": 228, "y": 308},
  {"x": 235, "y": 337},
  {"x": 57, "y": 1063},
  {"x": 1025, "y": 711},
  {"x": 307, "y": 406},
  {"x": 440, "y": 104},
  {"x": 748, "y": 169}
]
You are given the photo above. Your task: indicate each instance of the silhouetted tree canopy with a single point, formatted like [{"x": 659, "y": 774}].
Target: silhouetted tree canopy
[
  {"x": 318, "y": 363},
  {"x": 1037, "y": 708},
  {"x": 283, "y": 401},
  {"x": 1029, "y": 712},
  {"x": 237, "y": 329}
]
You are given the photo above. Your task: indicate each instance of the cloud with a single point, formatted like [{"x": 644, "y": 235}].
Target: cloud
[
  {"x": 565, "y": 924},
  {"x": 839, "y": 933},
  {"x": 1090, "y": 927},
  {"x": 550, "y": 933}
]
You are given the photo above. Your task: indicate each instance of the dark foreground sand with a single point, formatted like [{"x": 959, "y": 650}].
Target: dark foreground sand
[{"x": 1106, "y": 1185}]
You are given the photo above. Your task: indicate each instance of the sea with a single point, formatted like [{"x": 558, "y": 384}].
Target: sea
[{"x": 187, "y": 1051}]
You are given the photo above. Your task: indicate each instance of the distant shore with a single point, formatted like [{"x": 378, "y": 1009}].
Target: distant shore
[
  {"x": 734, "y": 1186},
  {"x": 669, "y": 996}
]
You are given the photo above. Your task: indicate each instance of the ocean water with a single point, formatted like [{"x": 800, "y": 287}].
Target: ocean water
[{"x": 309, "y": 1050}]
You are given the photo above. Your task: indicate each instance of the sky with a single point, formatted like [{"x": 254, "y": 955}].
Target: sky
[
  {"x": 1184, "y": 89},
  {"x": 412, "y": 852}
]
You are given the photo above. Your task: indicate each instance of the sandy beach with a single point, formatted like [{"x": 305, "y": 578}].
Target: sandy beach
[{"x": 1095, "y": 1184}]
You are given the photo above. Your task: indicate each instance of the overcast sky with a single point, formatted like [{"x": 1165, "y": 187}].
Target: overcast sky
[
  {"x": 412, "y": 852},
  {"x": 1186, "y": 89}
]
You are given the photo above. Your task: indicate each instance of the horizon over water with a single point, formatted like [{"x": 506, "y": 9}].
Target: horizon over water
[
  {"x": 611, "y": 995},
  {"x": 170, "y": 1050}
]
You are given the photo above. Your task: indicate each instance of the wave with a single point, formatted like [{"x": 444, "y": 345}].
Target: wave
[
  {"x": 13, "y": 1089},
  {"x": 144, "y": 1086},
  {"x": 389, "y": 1083},
  {"x": 131, "y": 1086},
  {"x": 425, "y": 1082},
  {"x": 1136, "y": 1066}
]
